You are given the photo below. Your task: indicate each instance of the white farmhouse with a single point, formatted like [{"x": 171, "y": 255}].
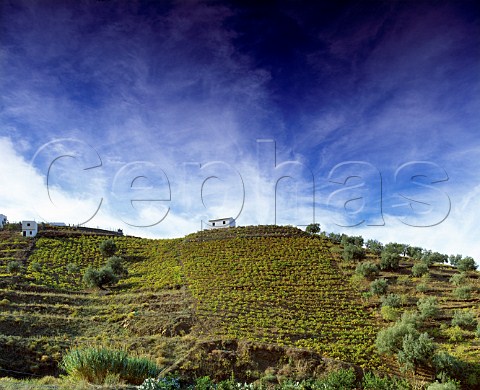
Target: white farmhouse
[
  {"x": 221, "y": 223},
  {"x": 3, "y": 220},
  {"x": 29, "y": 228}
]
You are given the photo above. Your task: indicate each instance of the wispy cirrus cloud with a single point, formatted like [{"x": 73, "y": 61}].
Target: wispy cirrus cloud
[{"x": 179, "y": 83}]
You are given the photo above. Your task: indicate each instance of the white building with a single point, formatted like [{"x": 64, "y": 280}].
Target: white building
[
  {"x": 29, "y": 228},
  {"x": 221, "y": 223},
  {"x": 3, "y": 220}
]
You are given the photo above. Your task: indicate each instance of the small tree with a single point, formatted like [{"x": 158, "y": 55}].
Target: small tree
[
  {"x": 379, "y": 286},
  {"x": 353, "y": 252},
  {"x": 447, "y": 366},
  {"x": 394, "y": 247},
  {"x": 434, "y": 257},
  {"x": 390, "y": 260},
  {"x": 389, "y": 341},
  {"x": 458, "y": 279},
  {"x": 99, "y": 278},
  {"x": 464, "y": 319},
  {"x": 375, "y": 246},
  {"x": 392, "y": 300},
  {"x": 419, "y": 269},
  {"x": 366, "y": 269},
  {"x": 115, "y": 264},
  {"x": 415, "y": 252},
  {"x": 454, "y": 259},
  {"x": 428, "y": 307},
  {"x": 467, "y": 264},
  {"x": 463, "y": 292},
  {"x": 416, "y": 350},
  {"x": 108, "y": 248},
  {"x": 313, "y": 228}
]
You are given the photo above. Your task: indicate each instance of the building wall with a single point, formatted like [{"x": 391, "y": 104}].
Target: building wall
[
  {"x": 221, "y": 223},
  {"x": 29, "y": 228},
  {"x": 3, "y": 219}
]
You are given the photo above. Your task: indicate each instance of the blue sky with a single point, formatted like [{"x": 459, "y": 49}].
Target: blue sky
[{"x": 155, "y": 116}]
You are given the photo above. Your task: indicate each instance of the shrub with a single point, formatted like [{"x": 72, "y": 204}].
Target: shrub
[
  {"x": 454, "y": 259},
  {"x": 115, "y": 264},
  {"x": 313, "y": 228},
  {"x": 422, "y": 287},
  {"x": 394, "y": 247},
  {"x": 379, "y": 286},
  {"x": 353, "y": 252},
  {"x": 434, "y": 257},
  {"x": 354, "y": 240},
  {"x": 415, "y": 252},
  {"x": 371, "y": 381},
  {"x": 466, "y": 264},
  {"x": 13, "y": 267},
  {"x": 108, "y": 248},
  {"x": 428, "y": 307},
  {"x": 463, "y": 292},
  {"x": 99, "y": 278},
  {"x": 390, "y": 313},
  {"x": 341, "y": 379},
  {"x": 464, "y": 319},
  {"x": 366, "y": 269},
  {"x": 96, "y": 364},
  {"x": 392, "y": 300},
  {"x": 167, "y": 383},
  {"x": 458, "y": 279},
  {"x": 389, "y": 341},
  {"x": 375, "y": 246},
  {"x": 447, "y": 366},
  {"x": 416, "y": 350},
  {"x": 390, "y": 260},
  {"x": 204, "y": 383},
  {"x": 419, "y": 269},
  {"x": 450, "y": 385},
  {"x": 410, "y": 318},
  {"x": 455, "y": 334}
]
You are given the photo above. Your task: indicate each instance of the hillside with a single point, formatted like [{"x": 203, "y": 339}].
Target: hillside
[{"x": 249, "y": 300}]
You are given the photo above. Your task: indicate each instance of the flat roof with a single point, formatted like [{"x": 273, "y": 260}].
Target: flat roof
[{"x": 219, "y": 219}]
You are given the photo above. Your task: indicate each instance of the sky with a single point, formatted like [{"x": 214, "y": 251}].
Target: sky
[{"x": 157, "y": 116}]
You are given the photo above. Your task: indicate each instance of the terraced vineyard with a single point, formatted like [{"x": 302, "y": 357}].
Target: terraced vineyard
[
  {"x": 280, "y": 290},
  {"x": 151, "y": 263},
  {"x": 13, "y": 247},
  {"x": 211, "y": 296}
]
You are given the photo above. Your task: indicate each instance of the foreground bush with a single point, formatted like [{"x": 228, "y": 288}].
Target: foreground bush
[
  {"x": 372, "y": 382},
  {"x": 97, "y": 364},
  {"x": 444, "y": 386},
  {"x": 168, "y": 383}
]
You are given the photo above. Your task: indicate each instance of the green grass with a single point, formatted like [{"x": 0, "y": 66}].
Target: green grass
[{"x": 96, "y": 365}]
